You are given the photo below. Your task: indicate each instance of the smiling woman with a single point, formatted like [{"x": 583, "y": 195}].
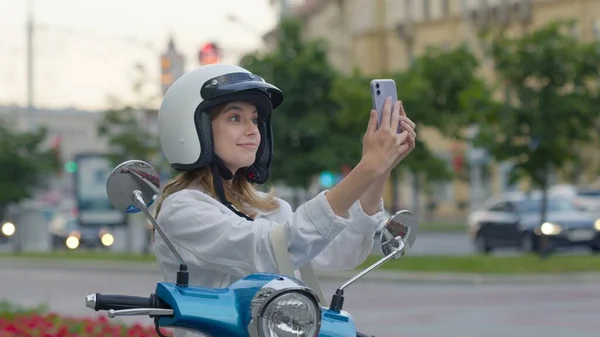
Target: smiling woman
[{"x": 236, "y": 135}]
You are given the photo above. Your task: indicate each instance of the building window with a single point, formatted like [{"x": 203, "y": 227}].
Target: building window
[
  {"x": 408, "y": 12},
  {"x": 596, "y": 28},
  {"x": 505, "y": 169},
  {"x": 445, "y": 8},
  {"x": 426, "y": 10},
  {"x": 409, "y": 54},
  {"x": 443, "y": 191},
  {"x": 463, "y": 6},
  {"x": 574, "y": 31}
]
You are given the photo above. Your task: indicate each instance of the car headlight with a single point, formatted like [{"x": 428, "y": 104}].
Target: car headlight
[
  {"x": 106, "y": 238},
  {"x": 72, "y": 242},
  {"x": 597, "y": 225},
  {"x": 285, "y": 308},
  {"x": 8, "y": 228},
  {"x": 548, "y": 228}
]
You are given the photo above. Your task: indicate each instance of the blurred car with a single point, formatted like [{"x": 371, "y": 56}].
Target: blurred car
[
  {"x": 66, "y": 232},
  {"x": 585, "y": 198},
  {"x": 8, "y": 225},
  {"x": 7, "y": 230},
  {"x": 589, "y": 199},
  {"x": 514, "y": 220}
]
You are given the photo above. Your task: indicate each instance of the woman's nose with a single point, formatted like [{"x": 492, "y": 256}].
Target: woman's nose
[{"x": 251, "y": 128}]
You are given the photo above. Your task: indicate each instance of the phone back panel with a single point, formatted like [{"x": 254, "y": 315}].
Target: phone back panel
[{"x": 380, "y": 90}]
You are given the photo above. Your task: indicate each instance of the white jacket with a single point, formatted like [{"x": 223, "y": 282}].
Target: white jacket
[{"x": 220, "y": 247}]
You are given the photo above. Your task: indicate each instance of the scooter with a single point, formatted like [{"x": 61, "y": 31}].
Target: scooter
[{"x": 258, "y": 305}]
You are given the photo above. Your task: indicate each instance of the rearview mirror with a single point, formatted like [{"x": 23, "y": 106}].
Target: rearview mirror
[
  {"x": 130, "y": 176},
  {"x": 400, "y": 227}
]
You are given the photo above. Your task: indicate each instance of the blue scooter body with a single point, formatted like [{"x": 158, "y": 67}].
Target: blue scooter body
[{"x": 226, "y": 311}]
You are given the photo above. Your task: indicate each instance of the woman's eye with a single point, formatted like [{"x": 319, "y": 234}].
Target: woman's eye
[
  {"x": 255, "y": 121},
  {"x": 234, "y": 118}
]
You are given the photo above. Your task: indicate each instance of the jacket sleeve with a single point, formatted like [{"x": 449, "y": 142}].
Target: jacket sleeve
[
  {"x": 231, "y": 244},
  {"x": 354, "y": 244}
]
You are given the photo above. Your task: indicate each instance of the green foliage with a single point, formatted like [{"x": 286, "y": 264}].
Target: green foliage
[
  {"x": 553, "y": 109},
  {"x": 125, "y": 128},
  {"x": 24, "y": 163},
  {"x": 303, "y": 124},
  {"x": 127, "y": 136},
  {"x": 437, "y": 85}
]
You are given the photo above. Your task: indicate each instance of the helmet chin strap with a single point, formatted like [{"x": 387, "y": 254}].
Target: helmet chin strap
[{"x": 220, "y": 172}]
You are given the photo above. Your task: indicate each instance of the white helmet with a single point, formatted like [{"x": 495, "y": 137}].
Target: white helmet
[{"x": 184, "y": 122}]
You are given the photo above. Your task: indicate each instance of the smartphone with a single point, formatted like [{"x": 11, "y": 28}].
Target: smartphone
[{"x": 380, "y": 90}]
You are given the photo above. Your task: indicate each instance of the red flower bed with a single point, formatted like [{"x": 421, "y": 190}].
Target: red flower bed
[{"x": 32, "y": 324}]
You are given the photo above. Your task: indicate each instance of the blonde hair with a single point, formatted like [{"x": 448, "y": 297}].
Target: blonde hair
[{"x": 241, "y": 193}]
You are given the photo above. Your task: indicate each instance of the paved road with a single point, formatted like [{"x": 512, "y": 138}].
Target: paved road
[{"x": 382, "y": 309}]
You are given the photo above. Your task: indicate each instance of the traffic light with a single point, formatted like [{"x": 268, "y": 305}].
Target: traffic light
[
  {"x": 326, "y": 179},
  {"x": 70, "y": 166},
  {"x": 210, "y": 53},
  {"x": 166, "y": 76},
  {"x": 171, "y": 66}
]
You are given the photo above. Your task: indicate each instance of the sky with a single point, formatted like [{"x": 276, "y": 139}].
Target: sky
[{"x": 85, "y": 50}]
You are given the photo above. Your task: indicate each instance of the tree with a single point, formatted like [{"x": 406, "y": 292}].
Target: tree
[
  {"x": 437, "y": 83},
  {"x": 432, "y": 91},
  {"x": 24, "y": 164},
  {"x": 552, "y": 111},
  {"x": 128, "y": 134},
  {"x": 124, "y": 128},
  {"x": 303, "y": 122}
]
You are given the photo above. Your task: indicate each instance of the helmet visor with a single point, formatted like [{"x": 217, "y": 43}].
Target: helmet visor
[{"x": 234, "y": 83}]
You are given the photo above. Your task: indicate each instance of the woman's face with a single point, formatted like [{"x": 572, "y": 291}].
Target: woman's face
[{"x": 236, "y": 136}]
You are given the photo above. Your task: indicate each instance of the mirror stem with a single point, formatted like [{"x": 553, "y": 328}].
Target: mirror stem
[
  {"x": 375, "y": 265},
  {"x": 337, "y": 300},
  {"x": 182, "y": 273}
]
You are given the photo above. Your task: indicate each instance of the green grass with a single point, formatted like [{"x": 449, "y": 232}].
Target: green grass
[
  {"x": 479, "y": 264},
  {"x": 83, "y": 255}
]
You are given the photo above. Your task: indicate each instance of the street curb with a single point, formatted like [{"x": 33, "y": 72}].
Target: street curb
[{"x": 373, "y": 277}]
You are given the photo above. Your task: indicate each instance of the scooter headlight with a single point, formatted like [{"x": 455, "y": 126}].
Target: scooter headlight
[{"x": 285, "y": 308}]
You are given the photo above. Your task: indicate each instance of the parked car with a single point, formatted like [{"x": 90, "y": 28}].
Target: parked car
[
  {"x": 585, "y": 198},
  {"x": 8, "y": 225},
  {"x": 66, "y": 232},
  {"x": 514, "y": 220},
  {"x": 7, "y": 230}
]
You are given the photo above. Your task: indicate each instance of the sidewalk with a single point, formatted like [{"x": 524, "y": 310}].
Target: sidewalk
[{"x": 385, "y": 276}]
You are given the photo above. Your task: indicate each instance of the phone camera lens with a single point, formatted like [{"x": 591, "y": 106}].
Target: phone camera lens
[
  {"x": 377, "y": 85},
  {"x": 378, "y": 92}
]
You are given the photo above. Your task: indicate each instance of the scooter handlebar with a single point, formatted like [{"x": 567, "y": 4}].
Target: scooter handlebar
[{"x": 98, "y": 302}]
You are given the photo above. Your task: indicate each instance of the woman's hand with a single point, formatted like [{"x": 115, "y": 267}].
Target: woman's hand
[
  {"x": 383, "y": 147},
  {"x": 407, "y": 126}
]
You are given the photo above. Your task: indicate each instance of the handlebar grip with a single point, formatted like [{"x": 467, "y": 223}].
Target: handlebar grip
[{"x": 119, "y": 302}]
